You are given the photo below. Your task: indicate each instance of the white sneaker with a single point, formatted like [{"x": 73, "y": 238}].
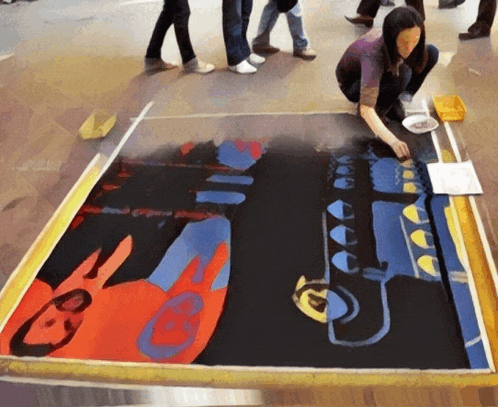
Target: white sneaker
[
  {"x": 243, "y": 67},
  {"x": 197, "y": 66},
  {"x": 255, "y": 59}
]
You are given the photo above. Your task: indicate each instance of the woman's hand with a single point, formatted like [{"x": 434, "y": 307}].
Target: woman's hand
[
  {"x": 381, "y": 131},
  {"x": 400, "y": 149}
]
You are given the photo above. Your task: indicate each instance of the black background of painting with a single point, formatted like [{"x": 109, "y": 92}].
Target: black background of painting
[
  {"x": 158, "y": 187},
  {"x": 106, "y": 231},
  {"x": 276, "y": 238}
]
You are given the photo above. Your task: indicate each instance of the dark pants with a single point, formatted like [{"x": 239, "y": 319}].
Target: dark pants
[
  {"x": 370, "y": 7},
  {"x": 485, "y": 16},
  {"x": 391, "y": 86},
  {"x": 235, "y": 22},
  {"x": 175, "y": 12}
]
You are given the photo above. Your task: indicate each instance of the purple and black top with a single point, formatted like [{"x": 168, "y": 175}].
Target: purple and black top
[{"x": 365, "y": 59}]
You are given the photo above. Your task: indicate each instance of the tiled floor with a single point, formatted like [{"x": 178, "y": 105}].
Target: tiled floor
[{"x": 72, "y": 57}]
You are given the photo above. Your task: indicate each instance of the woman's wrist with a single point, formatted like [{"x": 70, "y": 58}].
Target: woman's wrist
[{"x": 387, "y": 137}]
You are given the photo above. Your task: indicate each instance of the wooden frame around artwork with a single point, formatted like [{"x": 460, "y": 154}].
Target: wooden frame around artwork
[{"x": 104, "y": 373}]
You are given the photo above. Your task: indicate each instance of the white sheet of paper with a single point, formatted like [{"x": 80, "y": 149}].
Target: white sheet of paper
[{"x": 454, "y": 178}]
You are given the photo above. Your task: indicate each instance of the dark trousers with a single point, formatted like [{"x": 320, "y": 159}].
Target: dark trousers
[
  {"x": 175, "y": 12},
  {"x": 370, "y": 7},
  {"x": 391, "y": 86},
  {"x": 485, "y": 16},
  {"x": 235, "y": 22}
]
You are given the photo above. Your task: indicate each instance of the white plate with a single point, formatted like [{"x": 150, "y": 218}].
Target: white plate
[{"x": 420, "y": 123}]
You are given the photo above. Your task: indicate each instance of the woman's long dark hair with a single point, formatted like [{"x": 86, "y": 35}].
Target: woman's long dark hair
[{"x": 402, "y": 18}]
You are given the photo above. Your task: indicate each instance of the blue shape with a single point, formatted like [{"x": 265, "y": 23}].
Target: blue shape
[
  {"x": 326, "y": 275},
  {"x": 343, "y": 235},
  {"x": 438, "y": 203},
  {"x": 344, "y": 159},
  {"x": 220, "y": 197},
  {"x": 341, "y": 210},
  {"x": 345, "y": 262},
  {"x": 477, "y": 356},
  {"x": 465, "y": 310},
  {"x": 355, "y": 310},
  {"x": 421, "y": 213},
  {"x": 231, "y": 179},
  {"x": 229, "y": 155},
  {"x": 369, "y": 155},
  {"x": 164, "y": 352},
  {"x": 462, "y": 297},
  {"x": 387, "y": 176},
  {"x": 221, "y": 280},
  {"x": 344, "y": 170},
  {"x": 344, "y": 183},
  {"x": 374, "y": 274},
  {"x": 391, "y": 242},
  {"x": 386, "y": 325},
  {"x": 112, "y": 211},
  {"x": 336, "y": 307},
  {"x": 429, "y": 238},
  {"x": 197, "y": 238}
]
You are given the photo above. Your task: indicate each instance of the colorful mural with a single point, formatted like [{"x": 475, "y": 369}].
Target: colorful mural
[
  {"x": 256, "y": 253},
  {"x": 142, "y": 272},
  {"x": 381, "y": 221}
]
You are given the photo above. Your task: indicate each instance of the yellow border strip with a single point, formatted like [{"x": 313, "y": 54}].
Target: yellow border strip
[
  {"x": 485, "y": 241},
  {"x": 480, "y": 273},
  {"x": 114, "y": 374},
  {"x": 24, "y": 274},
  {"x": 469, "y": 266}
]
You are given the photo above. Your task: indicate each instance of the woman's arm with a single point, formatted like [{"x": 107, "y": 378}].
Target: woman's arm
[{"x": 381, "y": 131}]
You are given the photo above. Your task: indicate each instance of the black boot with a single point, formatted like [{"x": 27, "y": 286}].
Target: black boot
[
  {"x": 367, "y": 21},
  {"x": 450, "y": 3}
]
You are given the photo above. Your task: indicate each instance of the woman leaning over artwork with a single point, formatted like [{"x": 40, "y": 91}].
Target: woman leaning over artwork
[{"x": 383, "y": 65}]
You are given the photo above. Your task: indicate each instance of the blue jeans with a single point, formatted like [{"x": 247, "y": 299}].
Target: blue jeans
[
  {"x": 235, "y": 22},
  {"x": 392, "y": 86},
  {"x": 175, "y": 12},
  {"x": 269, "y": 18}
]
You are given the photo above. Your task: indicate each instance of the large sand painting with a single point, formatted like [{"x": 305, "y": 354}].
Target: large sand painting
[{"x": 256, "y": 252}]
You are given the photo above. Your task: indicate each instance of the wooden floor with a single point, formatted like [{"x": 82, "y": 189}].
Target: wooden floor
[
  {"x": 331, "y": 396},
  {"x": 70, "y": 58}
]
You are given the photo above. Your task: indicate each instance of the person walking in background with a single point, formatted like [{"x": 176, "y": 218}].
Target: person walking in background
[
  {"x": 482, "y": 26},
  {"x": 383, "y": 65},
  {"x": 367, "y": 10},
  {"x": 269, "y": 17},
  {"x": 175, "y": 12},
  {"x": 235, "y": 22}
]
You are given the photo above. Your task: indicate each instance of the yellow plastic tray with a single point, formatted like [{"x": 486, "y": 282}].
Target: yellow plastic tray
[
  {"x": 450, "y": 108},
  {"x": 97, "y": 125}
]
